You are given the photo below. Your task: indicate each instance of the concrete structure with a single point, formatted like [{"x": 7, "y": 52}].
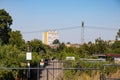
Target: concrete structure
[
  {"x": 52, "y": 73},
  {"x": 73, "y": 45},
  {"x": 111, "y": 41},
  {"x": 50, "y": 36},
  {"x": 116, "y": 57},
  {"x": 93, "y": 60}
]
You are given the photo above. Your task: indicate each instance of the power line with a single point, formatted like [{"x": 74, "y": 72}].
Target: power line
[
  {"x": 102, "y": 28},
  {"x": 58, "y": 29},
  {"x": 68, "y": 28},
  {"x": 75, "y": 27},
  {"x": 34, "y": 31}
]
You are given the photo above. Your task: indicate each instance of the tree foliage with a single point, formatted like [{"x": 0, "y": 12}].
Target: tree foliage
[
  {"x": 10, "y": 56},
  {"x": 101, "y": 46},
  {"x": 118, "y": 35},
  {"x": 16, "y": 39},
  {"x": 37, "y": 46},
  {"x": 5, "y": 23},
  {"x": 56, "y": 41},
  {"x": 116, "y": 47}
]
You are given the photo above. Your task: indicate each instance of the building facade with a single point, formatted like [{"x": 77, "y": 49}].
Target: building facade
[{"x": 50, "y": 36}]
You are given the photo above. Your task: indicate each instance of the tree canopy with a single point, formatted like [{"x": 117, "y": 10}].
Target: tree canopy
[
  {"x": 5, "y": 23},
  {"x": 16, "y": 39},
  {"x": 118, "y": 34},
  {"x": 56, "y": 41}
]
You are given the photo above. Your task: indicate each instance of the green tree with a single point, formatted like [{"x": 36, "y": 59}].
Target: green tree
[
  {"x": 83, "y": 50},
  {"x": 56, "y": 41},
  {"x": 118, "y": 34},
  {"x": 16, "y": 39},
  {"x": 116, "y": 47},
  {"x": 101, "y": 46},
  {"x": 61, "y": 47},
  {"x": 37, "y": 46},
  {"x": 5, "y": 22},
  {"x": 91, "y": 48},
  {"x": 10, "y": 56}
]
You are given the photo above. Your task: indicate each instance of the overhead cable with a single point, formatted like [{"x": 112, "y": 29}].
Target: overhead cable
[{"x": 75, "y": 27}]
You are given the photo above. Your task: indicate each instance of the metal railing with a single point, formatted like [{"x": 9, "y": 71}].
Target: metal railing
[{"x": 51, "y": 70}]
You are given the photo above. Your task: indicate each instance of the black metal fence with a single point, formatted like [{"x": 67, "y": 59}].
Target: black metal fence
[
  {"x": 51, "y": 71},
  {"x": 103, "y": 77}
]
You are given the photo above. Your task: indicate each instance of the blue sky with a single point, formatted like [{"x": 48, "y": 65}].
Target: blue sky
[{"x": 39, "y": 15}]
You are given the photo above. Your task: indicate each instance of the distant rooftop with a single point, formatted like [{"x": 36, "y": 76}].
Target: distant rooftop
[{"x": 113, "y": 55}]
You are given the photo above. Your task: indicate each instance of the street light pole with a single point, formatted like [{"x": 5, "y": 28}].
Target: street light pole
[
  {"x": 28, "y": 58},
  {"x": 28, "y": 74}
]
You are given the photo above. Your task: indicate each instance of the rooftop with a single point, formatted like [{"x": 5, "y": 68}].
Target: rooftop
[{"x": 113, "y": 55}]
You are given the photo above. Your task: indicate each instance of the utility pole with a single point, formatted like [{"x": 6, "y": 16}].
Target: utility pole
[
  {"x": 82, "y": 33},
  {"x": 28, "y": 58}
]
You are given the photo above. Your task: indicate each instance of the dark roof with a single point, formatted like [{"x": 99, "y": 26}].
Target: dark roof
[{"x": 113, "y": 55}]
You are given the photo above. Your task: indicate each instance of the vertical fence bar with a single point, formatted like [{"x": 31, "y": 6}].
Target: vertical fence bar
[
  {"x": 38, "y": 74},
  {"x": 53, "y": 70},
  {"x": 28, "y": 74},
  {"x": 47, "y": 74}
]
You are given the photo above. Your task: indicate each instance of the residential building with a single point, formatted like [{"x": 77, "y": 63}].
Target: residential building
[
  {"x": 50, "y": 36},
  {"x": 116, "y": 57}
]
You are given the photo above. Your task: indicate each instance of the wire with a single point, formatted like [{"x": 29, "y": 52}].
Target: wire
[
  {"x": 103, "y": 28},
  {"x": 68, "y": 28},
  {"x": 75, "y": 27},
  {"x": 58, "y": 29},
  {"x": 32, "y": 32}
]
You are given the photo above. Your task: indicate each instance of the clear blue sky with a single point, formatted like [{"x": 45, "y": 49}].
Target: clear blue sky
[{"x": 37, "y": 15}]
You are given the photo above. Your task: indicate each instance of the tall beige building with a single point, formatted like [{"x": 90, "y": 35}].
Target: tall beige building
[{"x": 50, "y": 36}]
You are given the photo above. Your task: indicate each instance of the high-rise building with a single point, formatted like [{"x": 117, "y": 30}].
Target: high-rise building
[{"x": 50, "y": 36}]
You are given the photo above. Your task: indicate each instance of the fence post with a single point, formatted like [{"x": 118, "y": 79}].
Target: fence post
[
  {"x": 53, "y": 70},
  {"x": 102, "y": 77},
  {"x": 47, "y": 75},
  {"x": 38, "y": 74}
]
